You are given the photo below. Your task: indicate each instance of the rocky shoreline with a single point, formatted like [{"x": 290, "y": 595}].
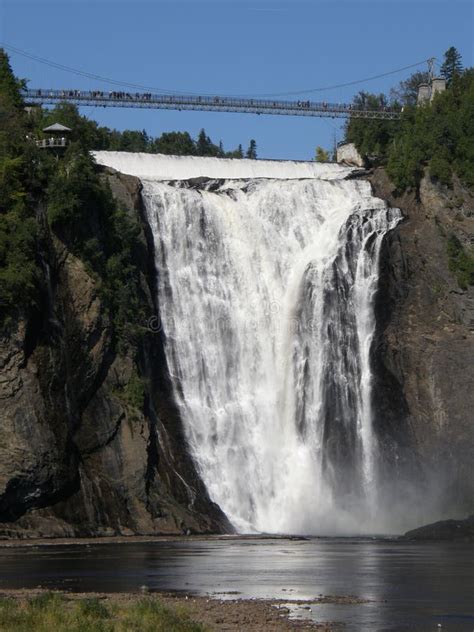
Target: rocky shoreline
[
  {"x": 134, "y": 539},
  {"x": 446, "y": 530}
]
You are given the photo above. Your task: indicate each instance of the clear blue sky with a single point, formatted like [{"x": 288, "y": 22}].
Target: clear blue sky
[{"x": 230, "y": 47}]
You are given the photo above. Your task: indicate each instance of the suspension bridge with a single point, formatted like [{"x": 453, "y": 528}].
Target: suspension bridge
[{"x": 147, "y": 100}]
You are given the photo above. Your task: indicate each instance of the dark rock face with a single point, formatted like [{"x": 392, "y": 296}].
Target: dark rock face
[
  {"x": 459, "y": 530},
  {"x": 75, "y": 458},
  {"x": 424, "y": 347}
]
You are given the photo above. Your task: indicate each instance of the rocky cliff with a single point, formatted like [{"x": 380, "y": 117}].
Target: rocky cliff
[
  {"x": 424, "y": 348},
  {"x": 91, "y": 443}
]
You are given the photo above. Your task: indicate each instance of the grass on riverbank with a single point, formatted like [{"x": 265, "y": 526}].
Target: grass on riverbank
[{"x": 54, "y": 611}]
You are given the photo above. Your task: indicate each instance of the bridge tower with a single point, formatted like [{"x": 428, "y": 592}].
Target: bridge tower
[{"x": 427, "y": 91}]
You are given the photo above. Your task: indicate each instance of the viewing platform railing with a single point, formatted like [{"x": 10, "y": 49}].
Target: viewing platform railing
[{"x": 45, "y": 143}]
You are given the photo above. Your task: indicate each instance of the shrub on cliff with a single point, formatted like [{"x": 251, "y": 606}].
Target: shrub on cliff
[
  {"x": 461, "y": 262},
  {"x": 440, "y": 168},
  {"x": 83, "y": 213},
  {"x": 74, "y": 194}
]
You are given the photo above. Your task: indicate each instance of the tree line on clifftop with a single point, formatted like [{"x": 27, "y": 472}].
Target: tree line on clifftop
[
  {"x": 48, "y": 197},
  {"x": 437, "y": 135},
  {"x": 97, "y": 137}
]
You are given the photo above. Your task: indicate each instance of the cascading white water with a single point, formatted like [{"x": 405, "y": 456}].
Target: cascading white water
[{"x": 265, "y": 290}]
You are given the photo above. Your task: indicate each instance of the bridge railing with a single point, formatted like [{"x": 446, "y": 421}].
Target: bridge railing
[{"x": 218, "y": 103}]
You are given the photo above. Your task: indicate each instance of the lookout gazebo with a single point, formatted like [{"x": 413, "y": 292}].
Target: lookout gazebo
[{"x": 57, "y": 136}]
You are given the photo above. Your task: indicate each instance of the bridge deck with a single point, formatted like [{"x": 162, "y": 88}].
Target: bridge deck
[{"x": 211, "y": 104}]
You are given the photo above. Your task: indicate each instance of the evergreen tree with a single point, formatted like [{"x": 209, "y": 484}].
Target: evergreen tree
[
  {"x": 204, "y": 144},
  {"x": 369, "y": 136},
  {"x": 252, "y": 150},
  {"x": 240, "y": 151},
  {"x": 321, "y": 155},
  {"x": 452, "y": 65},
  {"x": 88, "y": 133},
  {"x": 177, "y": 143},
  {"x": 132, "y": 140},
  {"x": 19, "y": 272},
  {"x": 9, "y": 86}
]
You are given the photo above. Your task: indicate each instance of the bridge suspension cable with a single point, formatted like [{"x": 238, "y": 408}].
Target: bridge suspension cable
[{"x": 135, "y": 86}]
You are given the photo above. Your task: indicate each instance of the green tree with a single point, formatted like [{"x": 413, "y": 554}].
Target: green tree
[
  {"x": 132, "y": 140},
  {"x": 80, "y": 208},
  {"x": 19, "y": 272},
  {"x": 252, "y": 150},
  {"x": 439, "y": 136},
  {"x": 321, "y": 155},
  {"x": 452, "y": 65},
  {"x": 84, "y": 215},
  {"x": 74, "y": 191},
  {"x": 236, "y": 153},
  {"x": 9, "y": 86},
  {"x": 177, "y": 143},
  {"x": 406, "y": 93},
  {"x": 461, "y": 262},
  {"x": 440, "y": 168},
  {"x": 203, "y": 144},
  {"x": 87, "y": 133},
  {"x": 371, "y": 137}
]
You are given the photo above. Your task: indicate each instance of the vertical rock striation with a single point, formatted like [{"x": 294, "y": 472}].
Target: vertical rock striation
[
  {"x": 424, "y": 349},
  {"x": 76, "y": 456}
]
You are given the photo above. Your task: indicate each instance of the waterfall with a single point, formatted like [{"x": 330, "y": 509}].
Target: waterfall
[{"x": 265, "y": 289}]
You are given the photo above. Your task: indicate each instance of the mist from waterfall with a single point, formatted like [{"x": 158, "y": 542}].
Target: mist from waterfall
[{"x": 265, "y": 290}]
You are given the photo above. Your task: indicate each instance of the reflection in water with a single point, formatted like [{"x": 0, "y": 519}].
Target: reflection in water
[{"x": 412, "y": 586}]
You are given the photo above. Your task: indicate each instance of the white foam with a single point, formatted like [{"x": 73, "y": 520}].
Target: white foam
[
  {"x": 266, "y": 300},
  {"x": 163, "y": 167}
]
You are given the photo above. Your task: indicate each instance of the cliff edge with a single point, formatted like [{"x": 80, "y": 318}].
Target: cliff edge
[{"x": 424, "y": 345}]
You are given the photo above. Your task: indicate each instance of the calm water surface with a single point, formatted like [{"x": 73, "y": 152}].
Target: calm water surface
[{"x": 413, "y": 586}]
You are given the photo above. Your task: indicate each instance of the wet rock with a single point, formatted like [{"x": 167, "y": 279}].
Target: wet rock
[
  {"x": 424, "y": 343},
  {"x": 455, "y": 530}
]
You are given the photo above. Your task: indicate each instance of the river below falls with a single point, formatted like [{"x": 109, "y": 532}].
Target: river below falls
[{"x": 408, "y": 585}]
